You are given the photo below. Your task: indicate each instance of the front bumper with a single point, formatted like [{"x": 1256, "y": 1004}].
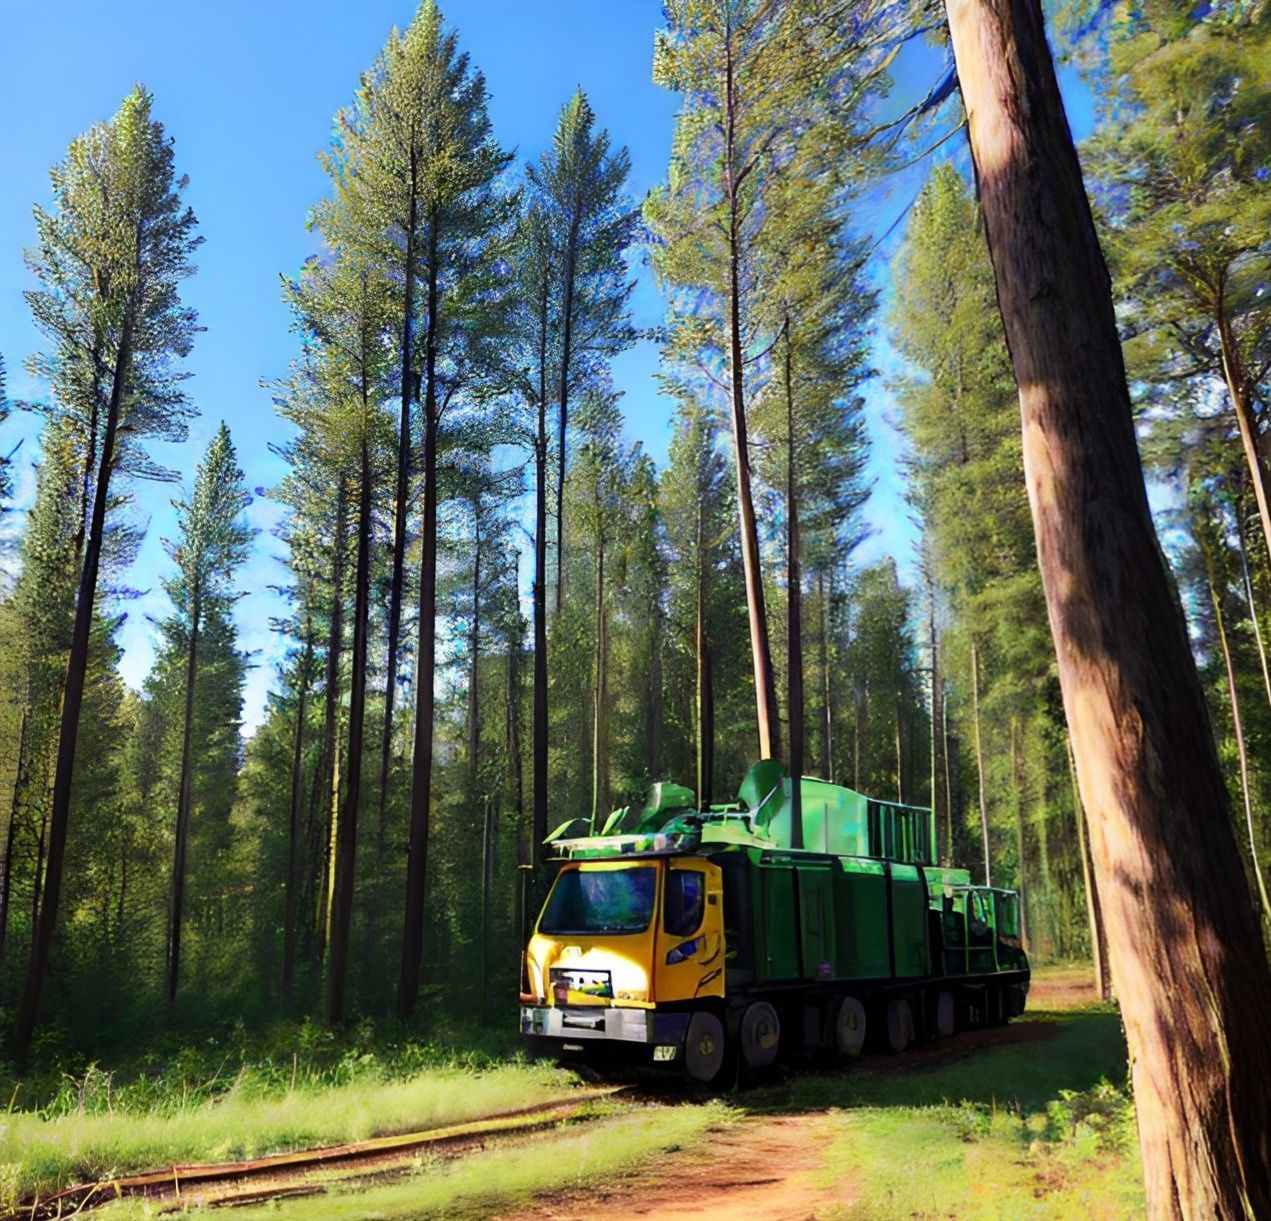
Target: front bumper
[{"x": 627, "y": 1026}]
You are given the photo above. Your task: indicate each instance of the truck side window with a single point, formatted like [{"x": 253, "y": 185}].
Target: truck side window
[{"x": 685, "y": 901}]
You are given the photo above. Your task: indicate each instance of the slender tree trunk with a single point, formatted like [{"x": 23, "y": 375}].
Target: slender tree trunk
[
  {"x": 569, "y": 275},
  {"x": 487, "y": 895},
  {"x": 330, "y": 723},
  {"x": 900, "y": 755},
  {"x": 6, "y": 870},
  {"x": 939, "y": 799},
  {"x": 1017, "y": 782},
  {"x": 181, "y": 840},
  {"x": 794, "y": 608},
  {"x": 827, "y": 709},
  {"x": 1237, "y": 728},
  {"x": 705, "y": 690},
  {"x": 1250, "y": 597},
  {"x": 538, "y": 718},
  {"x": 1098, "y": 937},
  {"x": 765, "y": 686},
  {"x": 346, "y": 830},
  {"x": 600, "y": 695},
  {"x": 72, "y": 702},
  {"x": 512, "y": 727},
  {"x": 947, "y": 752},
  {"x": 401, "y": 496},
  {"x": 1238, "y": 388},
  {"x": 979, "y": 757},
  {"x": 292, "y": 899},
  {"x": 474, "y": 651},
  {"x": 1188, "y": 960},
  {"x": 425, "y": 698}
]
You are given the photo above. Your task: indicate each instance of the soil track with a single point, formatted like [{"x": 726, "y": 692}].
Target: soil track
[{"x": 763, "y": 1169}]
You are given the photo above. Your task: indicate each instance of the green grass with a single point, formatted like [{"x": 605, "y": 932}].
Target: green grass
[
  {"x": 572, "y": 1158},
  {"x": 1042, "y": 1128},
  {"x": 40, "y": 1154}
]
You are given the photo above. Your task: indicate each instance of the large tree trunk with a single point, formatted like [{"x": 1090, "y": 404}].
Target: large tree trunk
[
  {"x": 794, "y": 610},
  {"x": 400, "y": 502},
  {"x": 291, "y": 912},
  {"x": 979, "y": 758},
  {"x": 346, "y": 830},
  {"x": 1187, "y": 955},
  {"x": 425, "y": 697},
  {"x": 182, "y": 837},
  {"x": 765, "y": 685},
  {"x": 72, "y": 702},
  {"x": 705, "y": 693}
]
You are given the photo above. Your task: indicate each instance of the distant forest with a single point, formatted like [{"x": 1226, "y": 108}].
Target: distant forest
[{"x": 501, "y": 614}]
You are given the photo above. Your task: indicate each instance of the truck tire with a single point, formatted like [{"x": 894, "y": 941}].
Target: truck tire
[
  {"x": 946, "y": 1015},
  {"x": 704, "y": 1047},
  {"x": 849, "y": 1028},
  {"x": 759, "y": 1034},
  {"x": 900, "y": 1025}
]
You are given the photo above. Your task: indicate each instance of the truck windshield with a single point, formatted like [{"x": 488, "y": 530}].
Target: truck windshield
[{"x": 601, "y": 901}]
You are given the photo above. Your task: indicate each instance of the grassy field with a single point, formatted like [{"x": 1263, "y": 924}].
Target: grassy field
[{"x": 1033, "y": 1120}]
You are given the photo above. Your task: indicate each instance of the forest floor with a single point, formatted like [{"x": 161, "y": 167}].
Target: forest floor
[{"x": 1027, "y": 1120}]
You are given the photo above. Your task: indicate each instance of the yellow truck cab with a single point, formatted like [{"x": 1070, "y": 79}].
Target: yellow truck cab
[{"x": 627, "y": 951}]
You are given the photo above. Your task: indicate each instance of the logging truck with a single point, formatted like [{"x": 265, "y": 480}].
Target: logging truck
[{"x": 705, "y": 942}]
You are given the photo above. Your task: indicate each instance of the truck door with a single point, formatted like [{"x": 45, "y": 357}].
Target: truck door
[{"x": 689, "y": 951}]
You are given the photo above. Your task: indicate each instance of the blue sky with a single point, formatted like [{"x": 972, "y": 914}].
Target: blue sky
[{"x": 248, "y": 91}]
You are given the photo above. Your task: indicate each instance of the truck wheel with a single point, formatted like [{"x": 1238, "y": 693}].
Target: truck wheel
[
  {"x": 900, "y": 1025},
  {"x": 946, "y": 1015},
  {"x": 849, "y": 1028},
  {"x": 704, "y": 1047},
  {"x": 759, "y": 1034}
]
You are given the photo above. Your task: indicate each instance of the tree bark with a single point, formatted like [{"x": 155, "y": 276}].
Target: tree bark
[
  {"x": 1188, "y": 961},
  {"x": 292, "y": 899},
  {"x": 979, "y": 757},
  {"x": 765, "y": 685},
  {"x": 512, "y": 727},
  {"x": 346, "y": 829},
  {"x": 72, "y": 702},
  {"x": 425, "y": 697},
  {"x": 181, "y": 840}
]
